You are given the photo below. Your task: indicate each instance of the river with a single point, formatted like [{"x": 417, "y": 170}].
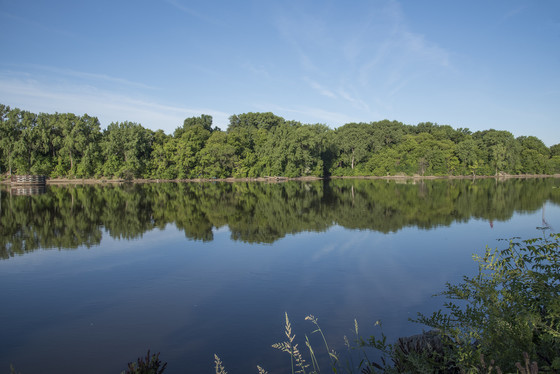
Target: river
[{"x": 93, "y": 276}]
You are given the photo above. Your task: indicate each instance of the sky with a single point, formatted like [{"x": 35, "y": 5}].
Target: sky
[{"x": 469, "y": 64}]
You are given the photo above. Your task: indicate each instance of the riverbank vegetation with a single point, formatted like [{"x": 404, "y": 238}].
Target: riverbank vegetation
[{"x": 259, "y": 145}]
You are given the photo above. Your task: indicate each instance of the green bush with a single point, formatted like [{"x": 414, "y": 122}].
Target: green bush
[
  {"x": 151, "y": 364},
  {"x": 511, "y": 308}
]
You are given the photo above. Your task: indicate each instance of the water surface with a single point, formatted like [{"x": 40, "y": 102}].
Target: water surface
[{"x": 93, "y": 276}]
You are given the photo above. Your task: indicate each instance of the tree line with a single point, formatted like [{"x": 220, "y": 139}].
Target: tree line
[
  {"x": 259, "y": 145},
  {"x": 78, "y": 215}
]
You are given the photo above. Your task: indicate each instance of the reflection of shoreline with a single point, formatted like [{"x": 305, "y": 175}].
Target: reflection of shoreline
[
  {"x": 19, "y": 190},
  {"x": 70, "y": 215},
  {"x": 434, "y": 177},
  {"x": 63, "y": 181}
]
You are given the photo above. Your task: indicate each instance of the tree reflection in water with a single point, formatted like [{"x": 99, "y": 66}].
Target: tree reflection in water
[{"x": 67, "y": 217}]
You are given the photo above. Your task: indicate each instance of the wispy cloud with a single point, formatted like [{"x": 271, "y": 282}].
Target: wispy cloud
[
  {"x": 325, "y": 116},
  {"x": 300, "y": 31},
  {"x": 108, "y": 106},
  {"x": 357, "y": 103},
  {"x": 378, "y": 56},
  {"x": 259, "y": 70},
  {"x": 397, "y": 87},
  {"x": 85, "y": 76},
  {"x": 44, "y": 27},
  {"x": 308, "y": 114},
  {"x": 513, "y": 12},
  {"x": 417, "y": 46},
  {"x": 320, "y": 89},
  {"x": 398, "y": 52},
  {"x": 191, "y": 12}
]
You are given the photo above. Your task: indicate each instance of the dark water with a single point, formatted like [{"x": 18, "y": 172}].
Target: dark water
[{"x": 91, "y": 277}]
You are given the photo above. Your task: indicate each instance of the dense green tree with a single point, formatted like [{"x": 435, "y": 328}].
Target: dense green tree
[
  {"x": 432, "y": 156},
  {"x": 76, "y": 135},
  {"x": 553, "y": 165},
  {"x": 386, "y": 133},
  {"x": 191, "y": 139},
  {"x": 272, "y": 155},
  {"x": 48, "y": 139},
  {"x": 10, "y": 132},
  {"x": 499, "y": 151},
  {"x": 25, "y": 146},
  {"x": 442, "y": 132},
  {"x": 266, "y": 121},
  {"x": 534, "y": 155},
  {"x": 217, "y": 158},
  {"x": 555, "y": 150},
  {"x": 204, "y": 122},
  {"x": 467, "y": 154},
  {"x": 250, "y": 134},
  {"x": 532, "y": 142},
  {"x": 352, "y": 143},
  {"x": 259, "y": 145},
  {"x": 384, "y": 163},
  {"x": 127, "y": 147},
  {"x": 4, "y": 137},
  {"x": 554, "y": 161},
  {"x": 160, "y": 165},
  {"x": 291, "y": 149}
]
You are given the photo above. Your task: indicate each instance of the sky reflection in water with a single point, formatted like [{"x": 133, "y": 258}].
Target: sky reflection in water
[{"x": 93, "y": 310}]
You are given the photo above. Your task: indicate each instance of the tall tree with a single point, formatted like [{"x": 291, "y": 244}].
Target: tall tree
[
  {"x": 501, "y": 151},
  {"x": 191, "y": 139},
  {"x": 352, "y": 142},
  {"x": 10, "y": 133},
  {"x": 217, "y": 158},
  {"x": 127, "y": 147},
  {"x": 76, "y": 135}
]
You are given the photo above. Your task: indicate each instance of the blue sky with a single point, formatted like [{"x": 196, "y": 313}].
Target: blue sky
[{"x": 474, "y": 64}]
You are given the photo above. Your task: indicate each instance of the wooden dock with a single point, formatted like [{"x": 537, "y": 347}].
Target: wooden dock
[{"x": 29, "y": 180}]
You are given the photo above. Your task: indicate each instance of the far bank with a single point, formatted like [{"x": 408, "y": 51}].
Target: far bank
[{"x": 279, "y": 179}]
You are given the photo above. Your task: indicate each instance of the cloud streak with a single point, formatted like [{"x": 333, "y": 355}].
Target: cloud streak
[
  {"x": 308, "y": 114},
  {"x": 60, "y": 72},
  {"x": 109, "y": 106},
  {"x": 374, "y": 60},
  {"x": 191, "y": 12},
  {"x": 40, "y": 26},
  {"x": 320, "y": 89}
]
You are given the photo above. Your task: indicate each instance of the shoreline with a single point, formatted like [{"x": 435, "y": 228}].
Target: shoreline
[{"x": 64, "y": 181}]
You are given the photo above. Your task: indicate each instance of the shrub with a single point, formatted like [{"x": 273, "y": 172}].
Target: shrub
[
  {"x": 511, "y": 308},
  {"x": 148, "y": 365}
]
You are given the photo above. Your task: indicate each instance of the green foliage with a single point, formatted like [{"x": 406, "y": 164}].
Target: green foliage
[
  {"x": 554, "y": 165},
  {"x": 259, "y": 145},
  {"x": 352, "y": 141},
  {"x": 467, "y": 153},
  {"x": 217, "y": 158},
  {"x": 510, "y": 308},
  {"x": 126, "y": 148},
  {"x": 500, "y": 152},
  {"x": 146, "y": 365}
]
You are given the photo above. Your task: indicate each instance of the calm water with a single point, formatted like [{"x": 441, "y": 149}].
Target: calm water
[{"x": 93, "y": 276}]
